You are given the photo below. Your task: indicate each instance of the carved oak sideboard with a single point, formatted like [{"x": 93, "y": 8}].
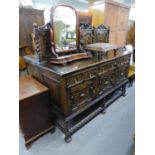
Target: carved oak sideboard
[{"x": 82, "y": 89}]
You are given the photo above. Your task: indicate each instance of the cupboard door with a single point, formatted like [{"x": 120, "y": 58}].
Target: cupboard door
[
  {"x": 112, "y": 37},
  {"x": 111, "y": 15},
  {"x": 122, "y": 20},
  {"x": 121, "y": 37}
]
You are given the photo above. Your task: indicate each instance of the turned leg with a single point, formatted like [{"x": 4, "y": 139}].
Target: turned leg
[
  {"x": 28, "y": 145},
  {"x": 132, "y": 80},
  {"x": 124, "y": 90},
  {"x": 53, "y": 118},
  {"x": 68, "y": 137},
  {"x": 103, "y": 111},
  {"x": 103, "y": 107}
]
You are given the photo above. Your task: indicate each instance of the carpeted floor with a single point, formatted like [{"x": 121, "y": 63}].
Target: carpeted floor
[{"x": 109, "y": 134}]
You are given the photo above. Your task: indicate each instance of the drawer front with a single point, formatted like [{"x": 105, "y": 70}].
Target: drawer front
[
  {"x": 79, "y": 99},
  {"x": 123, "y": 73},
  {"x": 80, "y": 78},
  {"x": 79, "y": 95},
  {"x": 105, "y": 83},
  {"x": 87, "y": 85}
]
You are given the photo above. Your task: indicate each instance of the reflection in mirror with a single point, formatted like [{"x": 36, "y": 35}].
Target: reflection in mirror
[{"x": 64, "y": 26}]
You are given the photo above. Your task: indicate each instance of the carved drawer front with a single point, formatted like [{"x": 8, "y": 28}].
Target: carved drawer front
[
  {"x": 123, "y": 73},
  {"x": 81, "y": 77},
  {"x": 111, "y": 66},
  {"x": 123, "y": 61},
  {"x": 103, "y": 69},
  {"x": 89, "y": 75},
  {"x": 79, "y": 96},
  {"x": 79, "y": 99},
  {"x": 105, "y": 83},
  {"x": 75, "y": 80}
]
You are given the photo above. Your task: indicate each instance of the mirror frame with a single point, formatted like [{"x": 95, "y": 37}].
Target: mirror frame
[{"x": 52, "y": 25}]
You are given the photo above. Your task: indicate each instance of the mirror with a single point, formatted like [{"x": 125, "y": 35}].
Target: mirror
[{"x": 64, "y": 25}]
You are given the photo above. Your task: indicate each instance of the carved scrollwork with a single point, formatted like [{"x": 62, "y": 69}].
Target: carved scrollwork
[
  {"x": 43, "y": 45},
  {"x": 86, "y": 35},
  {"x": 90, "y": 84},
  {"x": 101, "y": 34}
]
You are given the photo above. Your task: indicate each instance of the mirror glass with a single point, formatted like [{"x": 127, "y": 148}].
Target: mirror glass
[{"x": 64, "y": 26}]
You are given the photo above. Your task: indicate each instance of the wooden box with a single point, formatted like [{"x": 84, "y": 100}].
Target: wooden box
[{"x": 34, "y": 109}]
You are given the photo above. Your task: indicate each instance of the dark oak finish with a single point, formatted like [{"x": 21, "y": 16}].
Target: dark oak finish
[
  {"x": 101, "y": 34},
  {"x": 101, "y": 49},
  {"x": 34, "y": 109},
  {"x": 82, "y": 89},
  {"x": 93, "y": 36}
]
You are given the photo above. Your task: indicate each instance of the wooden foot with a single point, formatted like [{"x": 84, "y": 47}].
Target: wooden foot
[
  {"x": 53, "y": 130},
  {"x": 103, "y": 112},
  {"x": 68, "y": 139},
  {"x": 124, "y": 90},
  {"x": 28, "y": 146}
]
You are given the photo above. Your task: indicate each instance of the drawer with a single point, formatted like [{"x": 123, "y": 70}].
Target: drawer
[
  {"x": 123, "y": 61},
  {"x": 123, "y": 73},
  {"x": 75, "y": 80},
  {"x": 105, "y": 83},
  {"x": 88, "y": 75},
  {"x": 103, "y": 69},
  {"x": 81, "y": 77},
  {"x": 79, "y": 99},
  {"x": 81, "y": 94},
  {"x": 80, "y": 87}
]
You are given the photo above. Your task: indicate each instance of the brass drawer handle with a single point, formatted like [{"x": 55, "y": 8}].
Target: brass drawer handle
[
  {"x": 106, "y": 82},
  {"x": 82, "y": 95}
]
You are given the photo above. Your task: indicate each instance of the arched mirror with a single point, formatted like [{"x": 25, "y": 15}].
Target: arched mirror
[{"x": 64, "y": 25}]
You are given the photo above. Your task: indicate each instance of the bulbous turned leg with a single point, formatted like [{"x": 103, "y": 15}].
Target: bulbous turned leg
[
  {"x": 28, "y": 146},
  {"x": 124, "y": 90},
  {"x": 103, "y": 112},
  {"x": 68, "y": 139}
]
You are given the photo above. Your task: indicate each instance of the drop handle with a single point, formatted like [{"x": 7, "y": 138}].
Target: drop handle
[
  {"x": 106, "y": 82},
  {"x": 72, "y": 97},
  {"x": 91, "y": 87},
  {"x": 82, "y": 95}
]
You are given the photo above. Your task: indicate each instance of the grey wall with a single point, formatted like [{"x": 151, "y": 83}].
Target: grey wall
[
  {"x": 40, "y": 4},
  {"x": 77, "y": 4}
]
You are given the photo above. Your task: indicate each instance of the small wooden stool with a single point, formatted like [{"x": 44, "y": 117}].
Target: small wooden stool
[{"x": 34, "y": 109}]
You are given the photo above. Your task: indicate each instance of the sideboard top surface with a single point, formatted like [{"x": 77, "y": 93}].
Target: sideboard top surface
[{"x": 63, "y": 70}]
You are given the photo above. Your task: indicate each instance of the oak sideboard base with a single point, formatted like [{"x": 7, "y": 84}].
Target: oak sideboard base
[
  {"x": 72, "y": 125},
  {"x": 83, "y": 89}
]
